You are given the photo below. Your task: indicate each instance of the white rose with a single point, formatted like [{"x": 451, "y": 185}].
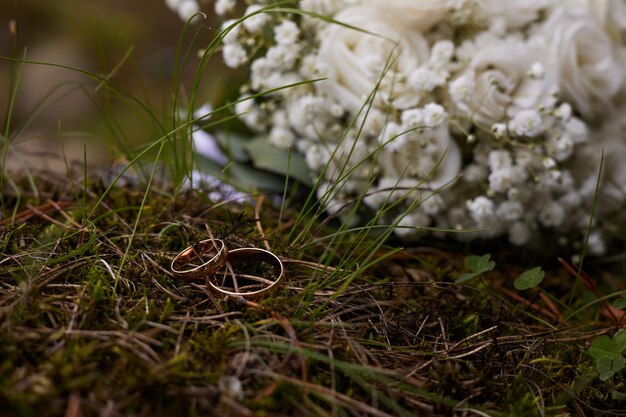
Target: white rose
[
  {"x": 610, "y": 140},
  {"x": 354, "y": 60},
  {"x": 418, "y": 14},
  {"x": 590, "y": 71},
  {"x": 499, "y": 82},
  {"x": 516, "y": 14},
  {"x": 608, "y": 14}
]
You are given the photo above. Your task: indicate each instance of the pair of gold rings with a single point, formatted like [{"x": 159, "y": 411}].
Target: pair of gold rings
[{"x": 243, "y": 272}]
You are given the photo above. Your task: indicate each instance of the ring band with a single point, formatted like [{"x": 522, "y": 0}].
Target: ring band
[
  {"x": 253, "y": 285},
  {"x": 195, "y": 252}
]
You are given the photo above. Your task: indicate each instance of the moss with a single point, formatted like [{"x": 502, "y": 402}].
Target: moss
[{"x": 88, "y": 310}]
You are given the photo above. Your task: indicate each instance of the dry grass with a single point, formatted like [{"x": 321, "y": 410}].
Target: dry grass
[{"x": 80, "y": 337}]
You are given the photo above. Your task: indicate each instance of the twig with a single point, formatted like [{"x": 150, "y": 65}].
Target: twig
[
  {"x": 257, "y": 220},
  {"x": 340, "y": 398},
  {"x": 46, "y": 217},
  {"x": 168, "y": 292},
  {"x": 528, "y": 303},
  {"x": 179, "y": 339},
  {"x": 64, "y": 213},
  {"x": 294, "y": 339},
  {"x": 73, "y": 405}
]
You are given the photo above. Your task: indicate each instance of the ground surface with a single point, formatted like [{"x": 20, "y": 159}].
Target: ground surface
[{"x": 93, "y": 323}]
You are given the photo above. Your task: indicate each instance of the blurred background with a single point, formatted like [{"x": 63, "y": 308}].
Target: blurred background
[{"x": 59, "y": 113}]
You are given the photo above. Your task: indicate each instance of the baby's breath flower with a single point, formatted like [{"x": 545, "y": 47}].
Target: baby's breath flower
[
  {"x": 234, "y": 55},
  {"x": 432, "y": 204},
  {"x": 413, "y": 118},
  {"x": 422, "y": 79},
  {"x": 232, "y": 36},
  {"x": 576, "y": 129},
  {"x": 595, "y": 243},
  {"x": 552, "y": 214},
  {"x": 564, "y": 111},
  {"x": 526, "y": 123},
  {"x": 316, "y": 156},
  {"x": 519, "y": 234},
  {"x": 503, "y": 179},
  {"x": 411, "y": 223},
  {"x": 481, "y": 209},
  {"x": 434, "y": 115},
  {"x": 224, "y": 6},
  {"x": 249, "y": 112},
  {"x": 500, "y": 159},
  {"x": 286, "y": 32},
  {"x": 510, "y": 210},
  {"x": 475, "y": 173},
  {"x": 255, "y": 24},
  {"x": 281, "y": 136},
  {"x": 283, "y": 56},
  {"x": 560, "y": 147},
  {"x": 536, "y": 70},
  {"x": 462, "y": 88},
  {"x": 187, "y": 8},
  {"x": 441, "y": 53},
  {"x": 498, "y": 130},
  {"x": 393, "y": 137}
]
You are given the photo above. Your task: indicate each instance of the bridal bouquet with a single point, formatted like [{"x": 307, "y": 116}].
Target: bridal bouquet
[{"x": 494, "y": 118}]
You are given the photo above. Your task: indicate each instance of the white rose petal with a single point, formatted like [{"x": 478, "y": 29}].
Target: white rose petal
[
  {"x": 354, "y": 61},
  {"x": 515, "y": 14},
  {"x": 497, "y": 83},
  {"x": 589, "y": 69},
  {"x": 416, "y": 14}
]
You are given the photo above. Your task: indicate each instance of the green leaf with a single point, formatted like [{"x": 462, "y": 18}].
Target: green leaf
[
  {"x": 618, "y": 363},
  {"x": 208, "y": 165},
  {"x": 607, "y": 367},
  {"x": 619, "y": 339},
  {"x": 233, "y": 145},
  {"x": 604, "y": 365},
  {"x": 529, "y": 279},
  {"x": 620, "y": 302},
  {"x": 249, "y": 178},
  {"x": 281, "y": 161},
  {"x": 603, "y": 347},
  {"x": 479, "y": 264},
  {"x": 464, "y": 278},
  {"x": 476, "y": 265},
  {"x": 606, "y": 375},
  {"x": 618, "y": 396}
]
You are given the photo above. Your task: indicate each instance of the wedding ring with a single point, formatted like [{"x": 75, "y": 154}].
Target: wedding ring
[
  {"x": 192, "y": 262},
  {"x": 248, "y": 273}
]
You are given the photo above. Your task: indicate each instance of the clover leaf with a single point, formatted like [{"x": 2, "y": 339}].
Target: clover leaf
[
  {"x": 621, "y": 301},
  {"x": 529, "y": 279},
  {"x": 476, "y": 265},
  {"x": 608, "y": 353}
]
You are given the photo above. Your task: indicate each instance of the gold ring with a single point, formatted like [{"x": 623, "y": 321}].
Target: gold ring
[
  {"x": 198, "y": 253},
  {"x": 249, "y": 273}
]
